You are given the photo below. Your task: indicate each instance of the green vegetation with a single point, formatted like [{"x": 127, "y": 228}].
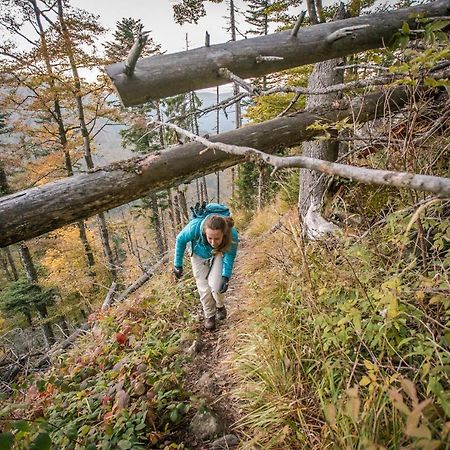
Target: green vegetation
[{"x": 349, "y": 342}]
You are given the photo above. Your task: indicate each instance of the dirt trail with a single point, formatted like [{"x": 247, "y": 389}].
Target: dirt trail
[{"x": 208, "y": 374}]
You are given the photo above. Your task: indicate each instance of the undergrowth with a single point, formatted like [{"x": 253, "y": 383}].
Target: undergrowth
[
  {"x": 121, "y": 387},
  {"x": 349, "y": 339}
]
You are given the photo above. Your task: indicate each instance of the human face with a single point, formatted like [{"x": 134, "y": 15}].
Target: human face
[{"x": 214, "y": 237}]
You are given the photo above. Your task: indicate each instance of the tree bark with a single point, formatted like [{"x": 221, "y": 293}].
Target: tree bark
[
  {"x": 313, "y": 184},
  {"x": 11, "y": 263},
  {"x": 205, "y": 190},
  {"x": 170, "y": 204},
  {"x": 183, "y": 207},
  {"x": 177, "y": 212},
  {"x": 40, "y": 209},
  {"x": 156, "y": 224},
  {"x": 104, "y": 236},
  {"x": 165, "y": 75},
  {"x": 5, "y": 266}
]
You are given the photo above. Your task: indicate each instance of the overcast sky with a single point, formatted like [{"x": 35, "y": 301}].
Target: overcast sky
[{"x": 157, "y": 16}]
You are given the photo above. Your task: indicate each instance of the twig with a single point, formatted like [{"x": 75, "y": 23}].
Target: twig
[{"x": 225, "y": 73}]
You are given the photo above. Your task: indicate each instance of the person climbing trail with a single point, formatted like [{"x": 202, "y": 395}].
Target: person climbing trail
[{"x": 214, "y": 242}]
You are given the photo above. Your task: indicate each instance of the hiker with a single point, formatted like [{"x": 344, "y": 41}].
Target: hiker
[{"x": 214, "y": 242}]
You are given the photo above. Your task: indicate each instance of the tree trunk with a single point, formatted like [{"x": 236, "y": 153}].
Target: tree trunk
[
  {"x": 156, "y": 224},
  {"x": 85, "y": 135},
  {"x": 4, "y": 263},
  {"x": 62, "y": 132},
  {"x": 104, "y": 235},
  {"x": 31, "y": 273},
  {"x": 170, "y": 204},
  {"x": 12, "y": 264},
  {"x": 40, "y": 209},
  {"x": 313, "y": 184},
  {"x": 162, "y": 76},
  {"x": 218, "y": 186},
  {"x": 260, "y": 189},
  {"x": 87, "y": 246},
  {"x": 183, "y": 207},
  {"x": 177, "y": 212},
  {"x": 199, "y": 191},
  {"x": 162, "y": 216},
  {"x": 205, "y": 190}
]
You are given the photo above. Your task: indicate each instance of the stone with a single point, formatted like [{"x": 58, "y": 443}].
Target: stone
[
  {"x": 227, "y": 442},
  {"x": 205, "y": 425},
  {"x": 206, "y": 382},
  {"x": 194, "y": 348}
]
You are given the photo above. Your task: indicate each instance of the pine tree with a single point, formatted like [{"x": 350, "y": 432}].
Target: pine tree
[{"x": 124, "y": 36}]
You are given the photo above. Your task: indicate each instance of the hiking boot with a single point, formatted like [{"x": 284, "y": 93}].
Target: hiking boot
[
  {"x": 210, "y": 323},
  {"x": 221, "y": 313}
]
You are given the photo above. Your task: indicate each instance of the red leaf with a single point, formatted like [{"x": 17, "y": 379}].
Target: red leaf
[{"x": 121, "y": 338}]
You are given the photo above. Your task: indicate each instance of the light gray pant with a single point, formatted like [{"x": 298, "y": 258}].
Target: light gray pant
[{"x": 209, "y": 280}]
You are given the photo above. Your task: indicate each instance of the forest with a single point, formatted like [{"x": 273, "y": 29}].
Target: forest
[{"x": 324, "y": 128}]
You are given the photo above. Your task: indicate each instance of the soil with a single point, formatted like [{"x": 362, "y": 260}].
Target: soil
[{"x": 208, "y": 376}]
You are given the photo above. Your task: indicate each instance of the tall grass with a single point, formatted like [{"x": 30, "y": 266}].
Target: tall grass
[{"x": 336, "y": 335}]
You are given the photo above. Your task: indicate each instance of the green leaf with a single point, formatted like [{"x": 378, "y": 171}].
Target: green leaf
[
  {"x": 405, "y": 28},
  {"x": 6, "y": 441},
  {"x": 438, "y": 25},
  {"x": 22, "y": 425},
  {"x": 174, "y": 416},
  {"x": 140, "y": 427},
  {"x": 124, "y": 444},
  {"x": 42, "y": 442}
]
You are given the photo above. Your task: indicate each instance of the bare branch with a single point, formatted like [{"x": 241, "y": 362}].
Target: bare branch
[
  {"x": 427, "y": 183},
  {"x": 225, "y": 73}
]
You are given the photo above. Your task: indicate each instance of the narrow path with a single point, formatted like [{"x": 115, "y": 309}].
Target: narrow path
[{"x": 208, "y": 375}]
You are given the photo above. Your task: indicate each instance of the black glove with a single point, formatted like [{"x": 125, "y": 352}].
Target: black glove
[
  {"x": 224, "y": 285},
  {"x": 178, "y": 272}
]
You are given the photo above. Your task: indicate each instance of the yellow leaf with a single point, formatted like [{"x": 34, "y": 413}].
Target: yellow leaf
[{"x": 410, "y": 389}]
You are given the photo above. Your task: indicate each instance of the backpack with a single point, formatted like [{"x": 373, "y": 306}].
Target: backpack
[{"x": 200, "y": 211}]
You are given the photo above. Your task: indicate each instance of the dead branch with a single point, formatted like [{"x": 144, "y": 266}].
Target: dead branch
[{"x": 427, "y": 183}]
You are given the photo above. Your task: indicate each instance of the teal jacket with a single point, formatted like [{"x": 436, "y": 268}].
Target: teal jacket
[{"x": 193, "y": 233}]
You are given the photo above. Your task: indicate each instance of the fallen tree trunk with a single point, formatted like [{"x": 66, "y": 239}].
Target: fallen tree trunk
[
  {"x": 32, "y": 212},
  {"x": 165, "y": 75}
]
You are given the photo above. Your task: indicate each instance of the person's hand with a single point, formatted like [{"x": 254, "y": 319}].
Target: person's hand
[
  {"x": 178, "y": 272},
  {"x": 224, "y": 285}
]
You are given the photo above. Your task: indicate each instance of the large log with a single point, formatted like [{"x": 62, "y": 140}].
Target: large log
[
  {"x": 161, "y": 76},
  {"x": 32, "y": 212}
]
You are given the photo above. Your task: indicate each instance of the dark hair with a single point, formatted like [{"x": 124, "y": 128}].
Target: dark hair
[{"x": 224, "y": 224}]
